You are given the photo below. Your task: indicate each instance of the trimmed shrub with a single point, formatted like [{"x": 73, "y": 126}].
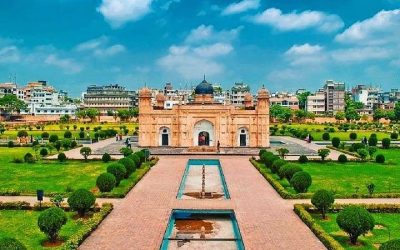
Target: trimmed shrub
[
  {"x": 81, "y": 135},
  {"x": 105, "y": 182},
  {"x": 57, "y": 145},
  {"x": 282, "y": 170},
  {"x": 118, "y": 170},
  {"x": 22, "y": 133},
  {"x": 323, "y": 152},
  {"x": 269, "y": 160},
  {"x": 68, "y": 134},
  {"x": 11, "y": 244},
  {"x": 323, "y": 200},
  {"x": 10, "y": 144},
  {"x": 363, "y": 153},
  {"x": 385, "y": 143},
  {"x": 263, "y": 156},
  {"x": 277, "y": 165},
  {"x": 394, "y": 136},
  {"x": 390, "y": 245},
  {"x": 45, "y": 135},
  {"x": 43, "y": 152},
  {"x": 380, "y": 158},
  {"x": 355, "y": 221},
  {"x": 301, "y": 181},
  {"x": 261, "y": 152},
  {"x": 50, "y": 222},
  {"x": 356, "y": 146},
  {"x": 353, "y": 136},
  {"x": 62, "y": 157},
  {"x": 303, "y": 159},
  {"x": 372, "y": 140},
  {"x": 53, "y": 138},
  {"x": 106, "y": 157},
  {"x": 141, "y": 156},
  {"x": 342, "y": 158},
  {"x": 74, "y": 144},
  {"x": 35, "y": 143},
  {"x": 135, "y": 159},
  {"x": 28, "y": 158},
  {"x": 85, "y": 152},
  {"x": 81, "y": 201},
  {"x": 326, "y": 136},
  {"x": 129, "y": 164},
  {"x": 291, "y": 170},
  {"x": 335, "y": 142}
]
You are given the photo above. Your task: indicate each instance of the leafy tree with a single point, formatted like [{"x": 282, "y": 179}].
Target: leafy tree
[
  {"x": 355, "y": 221},
  {"x": 65, "y": 118},
  {"x": 10, "y": 103},
  {"x": 81, "y": 114},
  {"x": 50, "y": 222},
  {"x": 336, "y": 142},
  {"x": 378, "y": 114},
  {"x": 323, "y": 200},
  {"x": 352, "y": 115},
  {"x": 323, "y": 152},
  {"x": 385, "y": 143},
  {"x": 340, "y": 115},
  {"x": 282, "y": 152},
  {"x": 85, "y": 152},
  {"x": 303, "y": 99},
  {"x": 281, "y": 113},
  {"x": 371, "y": 151},
  {"x": 363, "y": 153},
  {"x": 92, "y": 113},
  {"x": 300, "y": 114},
  {"x": 396, "y": 112}
]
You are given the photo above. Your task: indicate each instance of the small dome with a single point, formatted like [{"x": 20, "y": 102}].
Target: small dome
[
  {"x": 204, "y": 88},
  {"x": 160, "y": 97},
  {"x": 145, "y": 92},
  {"x": 248, "y": 97},
  {"x": 263, "y": 92}
]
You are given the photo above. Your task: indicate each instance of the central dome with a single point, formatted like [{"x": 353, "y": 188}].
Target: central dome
[{"x": 204, "y": 88}]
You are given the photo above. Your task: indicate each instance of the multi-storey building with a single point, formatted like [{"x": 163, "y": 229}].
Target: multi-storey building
[
  {"x": 238, "y": 91},
  {"x": 316, "y": 103},
  {"x": 11, "y": 88},
  {"x": 109, "y": 98},
  {"x": 368, "y": 95},
  {"x": 334, "y": 96},
  {"x": 285, "y": 99}
]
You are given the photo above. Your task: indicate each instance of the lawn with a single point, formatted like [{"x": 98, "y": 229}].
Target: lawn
[
  {"x": 53, "y": 176},
  {"x": 22, "y": 225},
  {"x": 388, "y": 224},
  {"x": 344, "y": 179}
]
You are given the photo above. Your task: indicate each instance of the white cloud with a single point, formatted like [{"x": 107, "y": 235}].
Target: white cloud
[
  {"x": 167, "y": 5},
  {"x": 305, "y": 54},
  {"x": 119, "y": 12},
  {"x": 382, "y": 28},
  {"x": 242, "y": 6},
  {"x": 361, "y": 54},
  {"x": 214, "y": 50},
  {"x": 207, "y": 33},
  {"x": 308, "y": 19},
  {"x": 100, "y": 48},
  {"x": 9, "y": 54},
  {"x": 68, "y": 65}
]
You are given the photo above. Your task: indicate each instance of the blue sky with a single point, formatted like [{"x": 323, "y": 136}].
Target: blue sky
[{"x": 283, "y": 44}]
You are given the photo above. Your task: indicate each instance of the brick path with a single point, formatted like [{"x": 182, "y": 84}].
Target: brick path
[{"x": 265, "y": 220}]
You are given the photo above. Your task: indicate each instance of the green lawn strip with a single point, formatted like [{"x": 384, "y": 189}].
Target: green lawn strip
[
  {"x": 22, "y": 225},
  {"x": 387, "y": 221},
  {"x": 343, "y": 179}
]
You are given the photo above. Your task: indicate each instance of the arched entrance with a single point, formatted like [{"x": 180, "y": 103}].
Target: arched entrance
[
  {"x": 164, "y": 136},
  {"x": 243, "y": 138},
  {"x": 203, "y": 133}
]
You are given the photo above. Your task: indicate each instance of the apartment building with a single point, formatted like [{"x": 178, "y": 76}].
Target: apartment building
[
  {"x": 316, "y": 103},
  {"x": 285, "y": 99},
  {"x": 238, "y": 91},
  {"x": 334, "y": 94}
]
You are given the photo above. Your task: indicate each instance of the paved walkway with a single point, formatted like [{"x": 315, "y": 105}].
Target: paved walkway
[{"x": 266, "y": 221}]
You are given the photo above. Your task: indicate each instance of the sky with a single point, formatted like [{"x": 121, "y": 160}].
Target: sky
[{"x": 281, "y": 44}]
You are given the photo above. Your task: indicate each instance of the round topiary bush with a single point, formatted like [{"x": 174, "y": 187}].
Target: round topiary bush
[
  {"x": 11, "y": 244},
  {"x": 326, "y": 136},
  {"x": 10, "y": 144},
  {"x": 301, "y": 181},
  {"x": 118, "y": 170},
  {"x": 353, "y": 136},
  {"x": 342, "y": 158},
  {"x": 28, "y": 158},
  {"x": 68, "y": 134},
  {"x": 141, "y": 156},
  {"x": 282, "y": 170},
  {"x": 105, "y": 182},
  {"x": 290, "y": 169},
  {"x": 50, "y": 222},
  {"x": 45, "y": 135},
  {"x": 261, "y": 152},
  {"x": 372, "y": 140},
  {"x": 53, "y": 138},
  {"x": 380, "y": 158},
  {"x": 106, "y": 157},
  {"x": 303, "y": 159},
  {"x": 394, "y": 136},
  {"x": 277, "y": 165},
  {"x": 323, "y": 200},
  {"x": 385, "y": 143},
  {"x": 43, "y": 152},
  {"x": 74, "y": 144},
  {"x": 269, "y": 160},
  {"x": 129, "y": 164},
  {"x": 335, "y": 142},
  {"x": 81, "y": 201},
  {"x": 135, "y": 159},
  {"x": 355, "y": 221},
  {"x": 265, "y": 155},
  {"x": 363, "y": 153},
  {"x": 390, "y": 245},
  {"x": 62, "y": 157},
  {"x": 22, "y": 133}
]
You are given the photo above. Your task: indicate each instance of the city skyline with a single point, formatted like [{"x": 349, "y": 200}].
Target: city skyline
[{"x": 282, "y": 45}]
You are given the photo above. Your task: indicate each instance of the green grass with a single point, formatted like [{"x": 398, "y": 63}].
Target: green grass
[
  {"x": 389, "y": 223},
  {"x": 344, "y": 178},
  {"x": 53, "y": 176},
  {"x": 345, "y": 136},
  {"x": 22, "y": 225}
]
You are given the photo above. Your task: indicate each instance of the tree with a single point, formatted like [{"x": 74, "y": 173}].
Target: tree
[
  {"x": 282, "y": 152},
  {"x": 336, "y": 142},
  {"x": 81, "y": 201},
  {"x": 355, "y": 221},
  {"x": 65, "y": 118},
  {"x": 371, "y": 151},
  {"x": 340, "y": 116},
  {"x": 378, "y": 114},
  {"x": 396, "y": 112},
  {"x": 300, "y": 114},
  {"x": 323, "y": 152},
  {"x": 386, "y": 143},
  {"x": 363, "y": 153},
  {"x": 85, "y": 152},
  {"x": 302, "y": 97},
  {"x": 10, "y": 103},
  {"x": 92, "y": 113},
  {"x": 352, "y": 115},
  {"x": 301, "y": 181},
  {"x": 81, "y": 114},
  {"x": 281, "y": 113},
  {"x": 50, "y": 222},
  {"x": 323, "y": 200},
  {"x": 129, "y": 165},
  {"x": 118, "y": 170},
  {"x": 105, "y": 182}
]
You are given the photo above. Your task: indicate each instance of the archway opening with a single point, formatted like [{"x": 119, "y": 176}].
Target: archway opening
[
  {"x": 204, "y": 139},
  {"x": 164, "y": 137},
  {"x": 243, "y": 137},
  {"x": 203, "y": 133}
]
